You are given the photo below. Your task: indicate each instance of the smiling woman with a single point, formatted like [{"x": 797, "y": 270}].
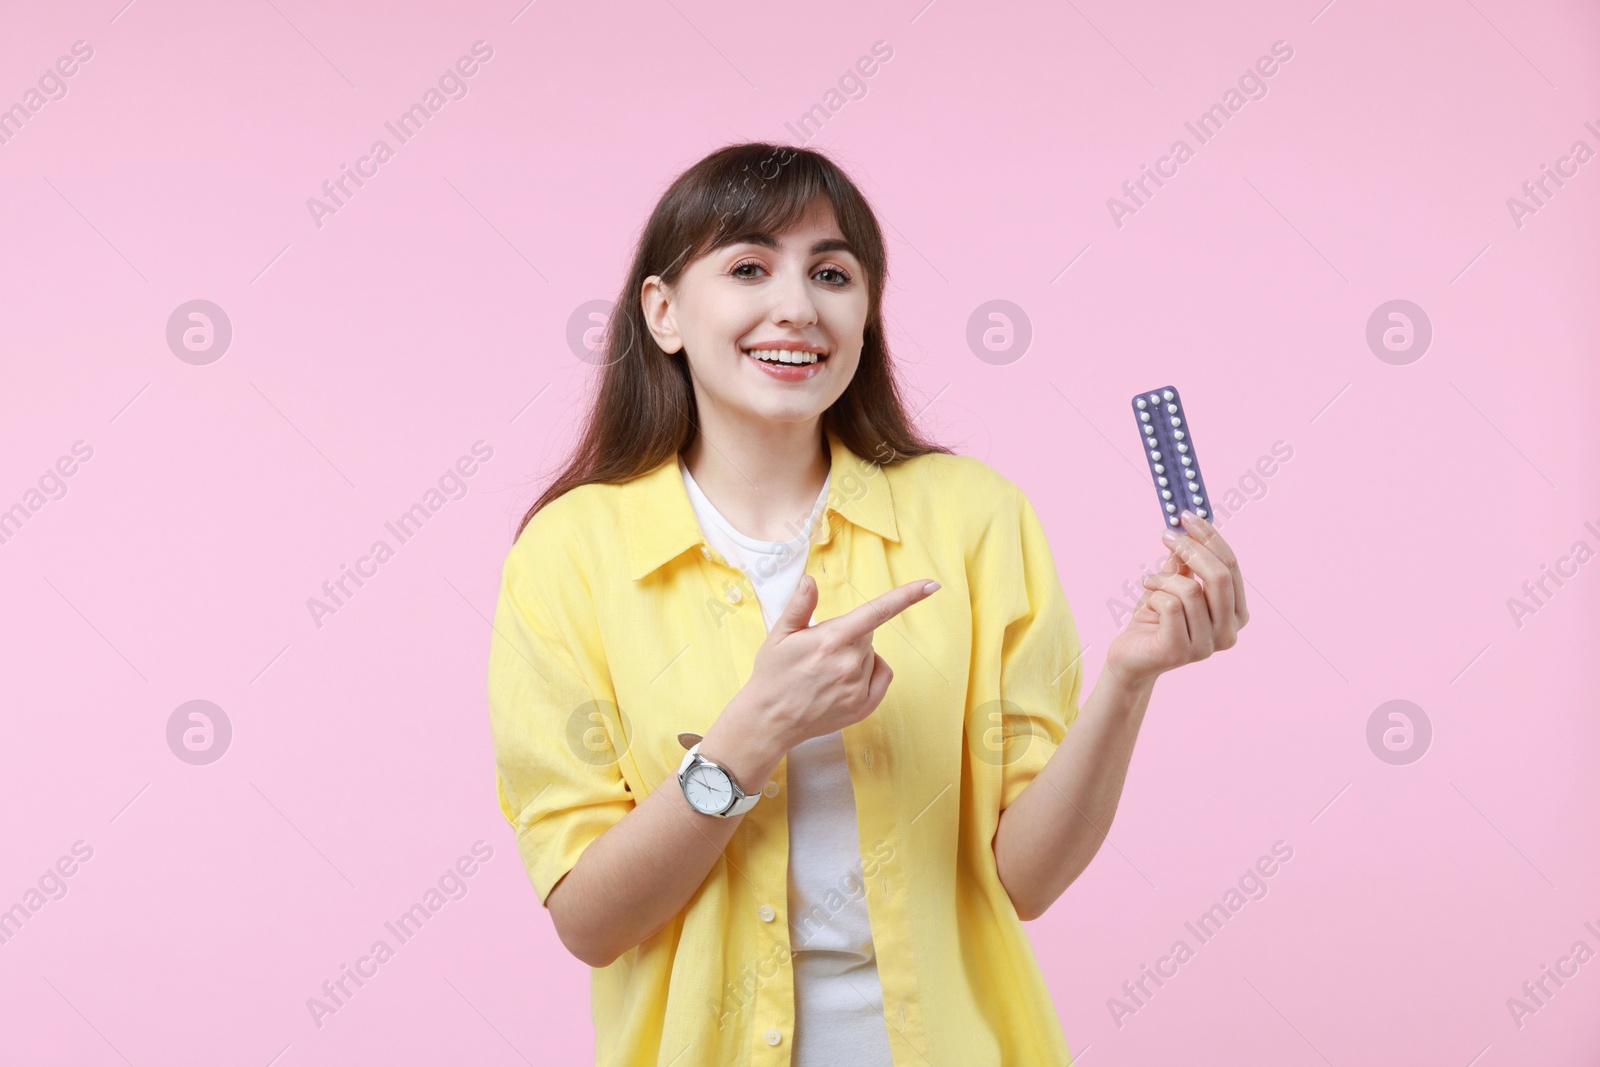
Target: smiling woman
[
  {"x": 748, "y": 444},
  {"x": 807, "y": 274}
]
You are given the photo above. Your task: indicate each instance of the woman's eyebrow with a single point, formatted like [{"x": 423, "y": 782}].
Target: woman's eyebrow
[{"x": 766, "y": 240}]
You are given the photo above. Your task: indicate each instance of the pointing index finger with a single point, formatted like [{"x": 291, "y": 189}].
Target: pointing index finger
[{"x": 859, "y": 622}]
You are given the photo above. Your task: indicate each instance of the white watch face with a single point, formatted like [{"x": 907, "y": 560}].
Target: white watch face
[{"x": 707, "y": 788}]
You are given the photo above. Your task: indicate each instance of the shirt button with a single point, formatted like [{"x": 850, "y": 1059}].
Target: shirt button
[
  {"x": 773, "y": 1037},
  {"x": 771, "y": 789},
  {"x": 704, "y": 551},
  {"x": 734, "y": 596},
  {"x": 767, "y": 914}
]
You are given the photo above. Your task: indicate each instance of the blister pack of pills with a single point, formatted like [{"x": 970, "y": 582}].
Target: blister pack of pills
[{"x": 1169, "y": 448}]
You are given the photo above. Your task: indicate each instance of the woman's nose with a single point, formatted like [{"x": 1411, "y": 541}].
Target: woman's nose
[{"x": 793, "y": 303}]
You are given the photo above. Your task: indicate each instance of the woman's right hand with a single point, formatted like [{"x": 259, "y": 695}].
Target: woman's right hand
[{"x": 807, "y": 680}]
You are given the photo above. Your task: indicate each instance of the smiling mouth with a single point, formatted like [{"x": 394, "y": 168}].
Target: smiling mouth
[{"x": 784, "y": 357}]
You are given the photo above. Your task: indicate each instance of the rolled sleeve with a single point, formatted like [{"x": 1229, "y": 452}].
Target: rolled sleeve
[
  {"x": 1041, "y": 663},
  {"x": 553, "y": 724}
]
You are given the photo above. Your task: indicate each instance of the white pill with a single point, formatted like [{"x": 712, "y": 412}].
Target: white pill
[
  {"x": 1199, "y": 500},
  {"x": 1139, "y": 403},
  {"x": 1155, "y": 454},
  {"x": 1172, "y": 507},
  {"x": 1178, "y": 434},
  {"x": 1185, "y": 460},
  {"x": 1176, "y": 421},
  {"x": 1161, "y": 481},
  {"x": 1166, "y": 494},
  {"x": 1182, "y": 447},
  {"x": 1193, "y": 488},
  {"x": 1144, "y": 416},
  {"x": 1167, "y": 393},
  {"x": 1172, "y": 409},
  {"x": 1151, "y": 441},
  {"x": 1154, "y": 399},
  {"x": 1160, "y": 469},
  {"x": 1200, "y": 512}
]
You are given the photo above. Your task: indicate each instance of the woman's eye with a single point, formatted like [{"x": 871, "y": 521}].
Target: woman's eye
[{"x": 739, "y": 271}]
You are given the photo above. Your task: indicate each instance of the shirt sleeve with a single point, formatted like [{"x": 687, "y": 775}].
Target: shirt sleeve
[
  {"x": 1041, "y": 663},
  {"x": 555, "y": 730}
]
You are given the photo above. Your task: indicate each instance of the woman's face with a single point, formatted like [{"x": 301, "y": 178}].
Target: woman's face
[{"x": 803, "y": 289}]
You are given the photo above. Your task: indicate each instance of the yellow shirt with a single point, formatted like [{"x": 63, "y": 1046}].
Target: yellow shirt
[{"x": 617, "y": 627}]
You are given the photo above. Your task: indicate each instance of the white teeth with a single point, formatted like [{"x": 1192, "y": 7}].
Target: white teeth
[{"x": 780, "y": 355}]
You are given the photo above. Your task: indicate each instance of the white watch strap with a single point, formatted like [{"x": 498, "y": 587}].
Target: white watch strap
[{"x": 688, "y": 758}]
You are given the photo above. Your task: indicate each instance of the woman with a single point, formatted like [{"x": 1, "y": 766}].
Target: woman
[{"x": 837, "y": 869}]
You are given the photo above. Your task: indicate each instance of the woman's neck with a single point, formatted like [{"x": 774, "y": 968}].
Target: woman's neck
[{"x": 763, "y": 478}]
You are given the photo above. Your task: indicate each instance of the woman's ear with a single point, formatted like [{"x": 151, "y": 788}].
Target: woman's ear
[{"x": 656, "y": 298}]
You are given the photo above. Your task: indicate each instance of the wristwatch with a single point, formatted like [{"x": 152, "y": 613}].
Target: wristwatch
[{"x": 708, "y": 786}]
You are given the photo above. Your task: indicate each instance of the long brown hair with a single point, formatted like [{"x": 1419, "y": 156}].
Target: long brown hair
[{"x": 645, "y": 410}]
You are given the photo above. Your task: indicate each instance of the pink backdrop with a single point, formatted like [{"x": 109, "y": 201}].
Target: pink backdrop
[{"x": 373, "y": 346}]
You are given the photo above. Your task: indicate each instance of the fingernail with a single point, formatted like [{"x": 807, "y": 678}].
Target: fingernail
[
  {"x": 1187, "y": 515},
  {"x": 931, "y": 587},
  {"x": 1169, "y": 537}
]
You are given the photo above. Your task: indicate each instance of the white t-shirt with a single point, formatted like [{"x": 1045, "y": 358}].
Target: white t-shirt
[{"x": 838, "y": 1000}]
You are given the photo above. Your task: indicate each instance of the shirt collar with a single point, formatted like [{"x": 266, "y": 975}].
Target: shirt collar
[{"x": 661, "y": 524}]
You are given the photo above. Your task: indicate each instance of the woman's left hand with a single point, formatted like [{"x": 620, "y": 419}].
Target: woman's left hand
[{"x": 1193, "y": 608}]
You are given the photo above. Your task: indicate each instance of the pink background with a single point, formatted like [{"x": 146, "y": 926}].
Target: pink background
[{"x": 431, "y": 312}]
